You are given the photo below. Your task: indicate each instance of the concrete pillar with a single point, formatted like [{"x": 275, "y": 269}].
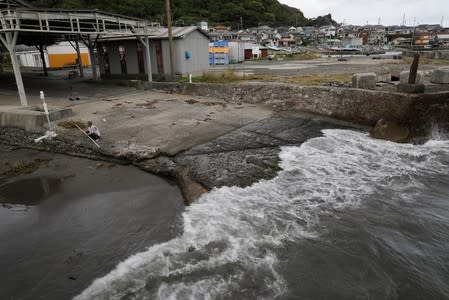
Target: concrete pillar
[
  {"x": 93, "y": 58},
  {"x": 441, "y": 75},
  {"x": 404, "y": 77},
  {"x": 364, "y": 80},
  {"x": 147, "y": 52},
  {"x": 78, "y": 57},
  {"x": 9, "y": 40}
]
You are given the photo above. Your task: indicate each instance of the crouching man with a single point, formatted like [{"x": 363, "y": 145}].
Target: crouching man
[{"x": 92, "y": 131}]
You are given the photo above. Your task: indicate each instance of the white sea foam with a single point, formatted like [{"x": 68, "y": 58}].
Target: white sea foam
[{"x": 228, "y": 246}]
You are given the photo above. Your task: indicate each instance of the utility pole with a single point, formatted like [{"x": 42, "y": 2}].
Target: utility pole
[
  {"x": 413, "y": 34},
  {"x": 170, "y": 37}
]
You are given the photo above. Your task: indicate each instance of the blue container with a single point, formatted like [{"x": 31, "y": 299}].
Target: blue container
[
  {"x": 221, "y": 60},
  {"x": 222, "y": 43},
  {"x": 220, "y": 55}
]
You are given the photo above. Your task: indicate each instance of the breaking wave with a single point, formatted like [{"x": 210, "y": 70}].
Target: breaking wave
[{"x": 230, "y": 235}]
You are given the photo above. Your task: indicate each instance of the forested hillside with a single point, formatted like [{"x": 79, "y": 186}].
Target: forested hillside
[{"x": 186, "y": 12}]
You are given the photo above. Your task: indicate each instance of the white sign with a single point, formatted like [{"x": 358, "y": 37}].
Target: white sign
[{"x": 256, "y": 51}]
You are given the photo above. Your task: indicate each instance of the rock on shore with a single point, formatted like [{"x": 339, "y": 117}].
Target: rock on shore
[{"x": 387, "y": 130}]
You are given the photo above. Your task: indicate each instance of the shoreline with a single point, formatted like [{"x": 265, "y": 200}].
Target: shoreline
[
  {"x": 211, "y": 135},
  {"x": 240, "y": 157}
]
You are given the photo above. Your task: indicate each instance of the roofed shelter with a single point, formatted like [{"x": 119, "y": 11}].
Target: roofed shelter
[
  {"x": 122, "y": 57},
  {"x": 22, "y": 24}
]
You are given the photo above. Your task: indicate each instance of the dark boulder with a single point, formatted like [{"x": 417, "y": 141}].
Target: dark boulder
[{"x": 387, "y": 130}]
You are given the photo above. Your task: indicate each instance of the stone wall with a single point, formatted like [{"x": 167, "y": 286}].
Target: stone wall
[
  {"x": 353, "y": 105},
  {"x": 432, "y": 54}
]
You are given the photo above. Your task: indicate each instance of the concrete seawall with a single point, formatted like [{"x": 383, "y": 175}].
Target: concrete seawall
[
  {"x": 241, "y": 152},
  {"x": 417, "y": 111}
]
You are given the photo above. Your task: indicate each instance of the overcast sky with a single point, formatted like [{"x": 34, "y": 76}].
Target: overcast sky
[{"x": 390, "y": 12}]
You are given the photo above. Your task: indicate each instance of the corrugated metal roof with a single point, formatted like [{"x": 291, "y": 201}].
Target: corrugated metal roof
[{"x": 178, "y": 32}]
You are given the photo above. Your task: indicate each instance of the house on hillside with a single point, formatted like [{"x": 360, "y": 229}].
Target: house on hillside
[
  {"x": 373, "y": 35},
  {"x": 396, "y": 31},
  {"x": 442, "y": 39},
  {"x": 310, "y": 33},
  {"x": 124, "y": 56},
  {"x": 203, "y": 26},
  {"x": 328, "y": 31}
]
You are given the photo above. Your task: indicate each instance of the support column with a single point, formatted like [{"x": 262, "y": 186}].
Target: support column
[
  {"x": 78, "y": 57},
  {"x": 147, "y": 51},
  {"x": 170, "y": 38},
  {"x": 44, "y": 64},
  {"x": 9, "y": 40},
  {"x": 93, "y": 58}
]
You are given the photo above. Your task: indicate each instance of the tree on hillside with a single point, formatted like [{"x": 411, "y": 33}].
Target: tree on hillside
[{"x": 227, "y": 12}]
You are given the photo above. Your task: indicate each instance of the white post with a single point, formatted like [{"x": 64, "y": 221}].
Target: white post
[
  {"x": 47, "y": 113},
  {"x": 190, "y": 78},
  {"x": 9, "y": 40},
  {"x": 147, "y": 51}
]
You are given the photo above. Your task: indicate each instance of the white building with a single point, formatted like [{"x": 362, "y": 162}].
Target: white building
[
  {"x": 56, "y": 56},
  {"x": 203, "y": 26},
  {"x": 124, "y": 57},
  {"x": 328, "y": 30}
]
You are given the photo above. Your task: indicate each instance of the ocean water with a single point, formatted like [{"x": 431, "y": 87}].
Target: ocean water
[
  {"x": 348, "y": 217},
  {"x": 74, "y": 219}
]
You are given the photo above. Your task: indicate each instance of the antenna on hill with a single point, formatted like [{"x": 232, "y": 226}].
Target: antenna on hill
[
  {"x": 378, "y": 21},
  {"x": 442, "y": 20},
  {"x": 403, "y": 20}
]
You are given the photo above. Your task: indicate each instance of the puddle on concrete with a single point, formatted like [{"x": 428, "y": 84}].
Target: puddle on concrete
[{"x": 29, "y": 191}]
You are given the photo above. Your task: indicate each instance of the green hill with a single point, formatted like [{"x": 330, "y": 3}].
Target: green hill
[{"x": 187, "y": 12}]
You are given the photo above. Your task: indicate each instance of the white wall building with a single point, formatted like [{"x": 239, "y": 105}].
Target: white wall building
[
  {"x": 56, "y": 56},
  {"x": 328, "y": 30}
]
